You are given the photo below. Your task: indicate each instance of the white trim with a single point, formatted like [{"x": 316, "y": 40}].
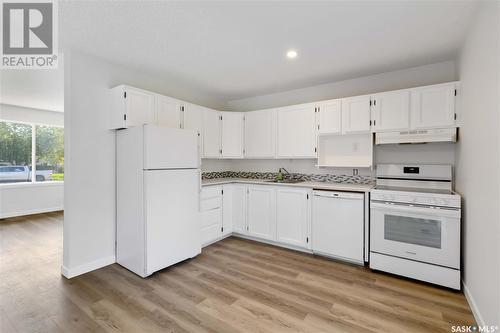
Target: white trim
[
  {"x": 473, "y": 305},
  {"x": 271, "y": 242},
  {"x": 31, "y": 212},
  {"x": 32, "y": 184},
  {"x": 85, "y": 268},
  {"x": 218, "y": 239}
]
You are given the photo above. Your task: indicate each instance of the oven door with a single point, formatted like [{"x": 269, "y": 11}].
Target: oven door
[{"x": 425, "y": 234}]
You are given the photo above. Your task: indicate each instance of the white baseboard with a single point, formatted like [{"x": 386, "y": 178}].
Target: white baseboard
[
  {"x": 30, "y": 212},
  {"x": 85, "y": 268},
  {"x": 216, "y": 240},
  {"x": 473, "y": 306},
  {"x": 270, "y": 242}
]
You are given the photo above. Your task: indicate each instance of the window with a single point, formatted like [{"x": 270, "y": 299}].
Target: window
[
  {"x": 23, "y": 144},
  {"x": 49, "y": 153}
]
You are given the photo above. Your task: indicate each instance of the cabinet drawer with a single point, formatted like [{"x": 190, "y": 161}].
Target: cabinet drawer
[
  {"x": 211, "y": 204},
  {"x": 211, "y": 217},
  {"x": 211, "y": 191}
]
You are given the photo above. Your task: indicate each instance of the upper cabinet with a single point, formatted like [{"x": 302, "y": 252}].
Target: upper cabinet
[
  {"x": 391, "y": 111},
  {"x": 193, "y": 120},
  {"x": 131, "y": 107},
  {"x": 260, "y": 134},
  {"x": 329, "y": 116},
  {"x": 434, "y": 106},
  {"x": 296, "y": 131},
  {"x": 168, "y": 112},
  {"x": 232, "y": 134},
  {"x": 212, "y": 133},
  {"x": 193, "y": 117},
  {"x": 356, "y": 115}
]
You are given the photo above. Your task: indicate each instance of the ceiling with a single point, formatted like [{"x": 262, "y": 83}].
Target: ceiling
[
  {"x": 39, "y": 89},
  {"x": 234, "y": 50},
  {"x": 237, "y": 49}
]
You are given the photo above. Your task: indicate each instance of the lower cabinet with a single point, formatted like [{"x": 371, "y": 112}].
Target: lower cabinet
[
  {"x": 292, "y": 216},
  {"x": 261, "y": 208},
  {"x": 234, "y": 209},
  {"x": 211, "y": 214},
  {"x": 285, "y": 215}
]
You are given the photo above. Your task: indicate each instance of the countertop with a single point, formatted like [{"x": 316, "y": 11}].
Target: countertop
[{"x": 307, "y": 184}]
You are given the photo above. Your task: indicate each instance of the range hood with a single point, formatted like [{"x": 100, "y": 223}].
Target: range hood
[{"x": 417, "y": 136}]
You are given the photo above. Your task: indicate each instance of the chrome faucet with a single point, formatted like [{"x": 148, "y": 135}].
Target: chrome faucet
[{"x": 279, "y": 176}]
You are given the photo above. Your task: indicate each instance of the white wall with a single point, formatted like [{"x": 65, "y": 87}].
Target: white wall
[
  {"x": 432, "y": 153},
  {"x": 28, "y": 198},
  {"x": 29, "y": 115},
  {"x": 89, "y": 222},
  {"x": 407, "y": 78},
  {"x": 478, "y": 168}
]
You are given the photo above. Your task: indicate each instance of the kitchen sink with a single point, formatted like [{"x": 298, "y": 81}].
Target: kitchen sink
[{"x": 285, "y": 181}]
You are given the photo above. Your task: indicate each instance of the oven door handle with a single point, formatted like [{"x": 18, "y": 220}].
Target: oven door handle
[{"x": 393, "y": 207}]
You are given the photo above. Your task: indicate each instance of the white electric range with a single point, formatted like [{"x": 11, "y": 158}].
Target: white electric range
[{"x": 415, "y": 223}]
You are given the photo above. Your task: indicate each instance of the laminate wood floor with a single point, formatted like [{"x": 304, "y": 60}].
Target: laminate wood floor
[{"x": 233, "y": 286}]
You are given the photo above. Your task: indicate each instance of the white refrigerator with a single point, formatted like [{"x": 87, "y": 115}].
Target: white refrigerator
[{"x": 158, "y": 188}]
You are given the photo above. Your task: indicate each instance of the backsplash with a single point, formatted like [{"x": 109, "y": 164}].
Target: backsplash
[{"x": 346, "y": 179}]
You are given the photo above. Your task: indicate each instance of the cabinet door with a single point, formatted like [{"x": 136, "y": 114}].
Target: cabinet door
[
  {"x": 296, "y": 135},
  {"x": 261, "y": 216},
  {"x": 234, "y": 209},
  {"x": 211, "y": 133},
  {"x": 292, "y": 216},
  {"x": 168, "y": 112},
  {"x": 330, "y": 117},
  {"x": 391, "y": 111},
  {"x": 260, "y": 134},
  {"x": 356, "y": 114},
  {"x": 193, "y": 119},
  {"x": 139, "y": 107},
  {"x": 232, "y": 134},
  {"x": 433, "y": 106}
]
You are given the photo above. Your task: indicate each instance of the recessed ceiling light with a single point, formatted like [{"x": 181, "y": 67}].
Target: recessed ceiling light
[{"x": 291, "y": 54}]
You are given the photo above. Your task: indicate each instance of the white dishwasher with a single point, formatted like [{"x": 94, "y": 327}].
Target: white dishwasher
[{"x": 338, "y": 225}]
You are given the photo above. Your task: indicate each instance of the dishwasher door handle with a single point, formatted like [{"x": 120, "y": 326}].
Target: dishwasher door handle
[{"x": 335, "y": 195}]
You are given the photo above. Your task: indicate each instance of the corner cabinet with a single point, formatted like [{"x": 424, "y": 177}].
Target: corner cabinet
[
  {"x": 292, "y": 216},
  {"x": 232, "y": 134},
  {"x": 260, "y": 134},
  {"x": 296, "y": 131},
  {"x": 434, "y": 106},
  {"x": 356, "y": 115},
  {"x": 168, "y": 112},
  {"x": 131, "y": 107},
  {"x": 212, "y": 134},
  {"x": 193, "y": 119},
  {"x": 234, "y": 212},
  {"x": 261, "y": 216}
]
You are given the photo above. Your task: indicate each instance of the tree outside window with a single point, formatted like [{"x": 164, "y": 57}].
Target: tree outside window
[{"x": 22, "y": 144}]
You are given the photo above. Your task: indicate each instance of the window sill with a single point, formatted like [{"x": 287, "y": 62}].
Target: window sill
[{"x": 26, "y": 185}]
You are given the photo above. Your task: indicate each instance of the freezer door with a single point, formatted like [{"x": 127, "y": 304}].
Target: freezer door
[
  {"x": 170, "y": 148},
  {"x": 172, "y": 217}
]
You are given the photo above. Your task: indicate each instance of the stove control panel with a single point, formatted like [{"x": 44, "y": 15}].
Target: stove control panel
[{"x": 427, "y": 199}]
